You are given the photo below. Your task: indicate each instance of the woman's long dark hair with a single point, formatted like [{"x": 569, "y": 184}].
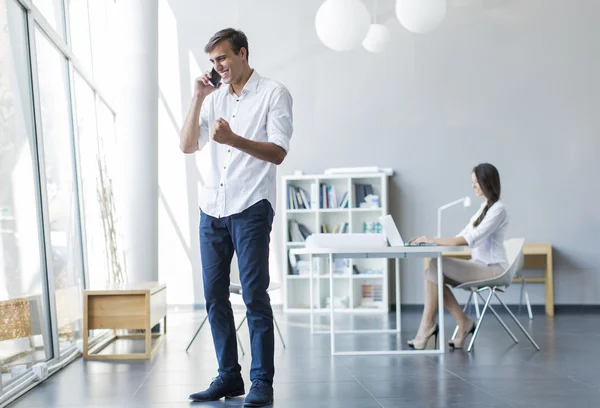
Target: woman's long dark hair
[{"x": 488, "y": 179}]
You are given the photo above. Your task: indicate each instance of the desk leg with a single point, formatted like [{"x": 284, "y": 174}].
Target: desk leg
[
  {"x": 549, "y": 285},
  {"x": 311, "y": 294},
  {"x": 398, "y": 320},
  {"x": 332, "y": 323},
  {"x": 148, "y": 328},
  {"x": 85, "y": 326},
  {"x": 442, "y": 344}
]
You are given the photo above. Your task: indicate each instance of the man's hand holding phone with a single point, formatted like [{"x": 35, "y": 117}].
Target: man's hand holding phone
[{"x": 207, "y": 83}]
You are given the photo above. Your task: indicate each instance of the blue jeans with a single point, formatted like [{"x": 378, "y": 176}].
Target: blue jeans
[{"x": 248, "y": 233}]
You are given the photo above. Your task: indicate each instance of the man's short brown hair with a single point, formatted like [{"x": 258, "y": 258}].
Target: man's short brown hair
[{"x": 236, "y": 38}]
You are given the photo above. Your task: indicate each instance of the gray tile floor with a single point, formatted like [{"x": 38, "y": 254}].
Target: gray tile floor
[{"x": 497, "y": 374}]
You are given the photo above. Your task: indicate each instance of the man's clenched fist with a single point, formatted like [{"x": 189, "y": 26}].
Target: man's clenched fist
[{"x": 220, "y": 132}]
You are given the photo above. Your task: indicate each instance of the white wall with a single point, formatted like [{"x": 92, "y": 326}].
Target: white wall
[{"x": 512, "y": 82}]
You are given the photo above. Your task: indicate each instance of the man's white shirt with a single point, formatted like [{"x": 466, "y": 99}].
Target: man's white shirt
[{"x": 236, "y": 180}]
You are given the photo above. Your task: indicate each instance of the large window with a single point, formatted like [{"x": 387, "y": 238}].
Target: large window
[
  {"x": 107, "y": 185},
  {"x": 24, "y": 340},
  {"x": 80, "y": 32},
  {"x": 102, "y": 16},
  {"x": 57, "y": 138},
  {"x": 61, "y": 189},
  {"x": 94, "y": 194},
  {"x": 53, "y": 11}
]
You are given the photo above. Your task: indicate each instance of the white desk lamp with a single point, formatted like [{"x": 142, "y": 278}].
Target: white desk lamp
[{"x": 466, "y": 201}]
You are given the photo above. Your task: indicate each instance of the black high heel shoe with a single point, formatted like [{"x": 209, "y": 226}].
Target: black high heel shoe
[
  {"x": 459, "y": 342},
  {"x": 420, "y": 344}
]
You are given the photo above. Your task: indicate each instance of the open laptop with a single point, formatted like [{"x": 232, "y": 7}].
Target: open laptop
[{"x": 393, "y": 235}]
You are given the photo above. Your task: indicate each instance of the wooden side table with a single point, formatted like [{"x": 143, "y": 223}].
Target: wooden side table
[{"x": 138, "y": 306}]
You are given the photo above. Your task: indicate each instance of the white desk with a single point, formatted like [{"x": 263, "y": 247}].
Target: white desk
[{"x": 396, "y": 253}]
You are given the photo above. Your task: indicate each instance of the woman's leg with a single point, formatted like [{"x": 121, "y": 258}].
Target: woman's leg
[
  {"x": 430, "y": 308},
  {"x": 451, "y": 304},
  {"x": 456, "y": 271}
]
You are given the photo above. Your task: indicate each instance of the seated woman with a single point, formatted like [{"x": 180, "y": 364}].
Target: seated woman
[{"x": 485, "y": 235}]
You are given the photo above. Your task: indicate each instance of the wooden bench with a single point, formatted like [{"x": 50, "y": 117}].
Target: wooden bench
[
  {"x": 537, "y": 256},
  {"x": 137, "y": 306}
]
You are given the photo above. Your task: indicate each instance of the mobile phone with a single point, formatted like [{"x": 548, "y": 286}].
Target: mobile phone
[{"x": 215, "y": 78}]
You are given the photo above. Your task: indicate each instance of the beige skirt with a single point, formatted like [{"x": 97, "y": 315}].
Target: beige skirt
[{"x": 458, "y": 271}]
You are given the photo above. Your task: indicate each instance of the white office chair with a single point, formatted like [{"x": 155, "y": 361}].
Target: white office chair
[
  {"x": 514, "y": 251},
  {"x": 524, "y": 296},
  {"x": 236, "y": 289}
]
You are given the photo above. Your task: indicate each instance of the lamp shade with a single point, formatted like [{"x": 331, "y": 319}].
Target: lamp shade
[
  {"x": 377, "y": 39},
  {"x": 342, "y": 24},
  {"x": 420, "y": 16}
]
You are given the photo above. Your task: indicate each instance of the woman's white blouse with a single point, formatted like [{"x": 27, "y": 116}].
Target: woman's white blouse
[{"x": 487, "y": 239}]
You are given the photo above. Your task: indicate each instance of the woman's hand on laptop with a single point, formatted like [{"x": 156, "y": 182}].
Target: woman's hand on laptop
[{"x": 422, "y": 239}]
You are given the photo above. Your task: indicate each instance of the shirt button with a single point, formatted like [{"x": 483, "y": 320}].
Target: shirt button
[
  {"x": 224, "y": 167},
  {"x": 221, "y": 184},
  {"x": 234, "y": 116},
  {"x": 228, "y": 150}
]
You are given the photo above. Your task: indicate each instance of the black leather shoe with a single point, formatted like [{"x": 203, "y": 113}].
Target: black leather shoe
[
  {"x": 261, "y": 394},
  {"x": 219, "y": 388}
]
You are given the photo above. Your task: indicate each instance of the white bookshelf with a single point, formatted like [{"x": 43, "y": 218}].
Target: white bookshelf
[{"x": 348, "y": 284}]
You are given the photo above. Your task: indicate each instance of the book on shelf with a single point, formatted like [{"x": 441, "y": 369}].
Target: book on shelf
[
  {"x": 314, "y": 195},
  {"x": 337, "y": 228},
  {"x": 328, "y": 197},
  {"x": 298, "y": 232},
  {"x": 324, "y": 196},
  {"x": 344, "y": 201},
  {"x": 298, "y": 198},
  {"x": 332, "y": 197},
  {"x": 360, "y": 192}
]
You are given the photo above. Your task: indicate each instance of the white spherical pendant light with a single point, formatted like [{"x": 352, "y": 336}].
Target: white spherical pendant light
[
  {"x": 377, "y": 39},
  {"x": 420, "y": 16},
  {"x": 342, "y": 24}
]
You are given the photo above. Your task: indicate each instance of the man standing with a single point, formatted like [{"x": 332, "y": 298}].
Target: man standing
[{"x": 247, "y": 124}]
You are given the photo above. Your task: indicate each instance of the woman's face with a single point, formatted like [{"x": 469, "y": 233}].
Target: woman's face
[{"x": 475, "y": 185}]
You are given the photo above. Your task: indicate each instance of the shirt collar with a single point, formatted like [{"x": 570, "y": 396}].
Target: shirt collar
[{"x": 251, "y": 84}]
